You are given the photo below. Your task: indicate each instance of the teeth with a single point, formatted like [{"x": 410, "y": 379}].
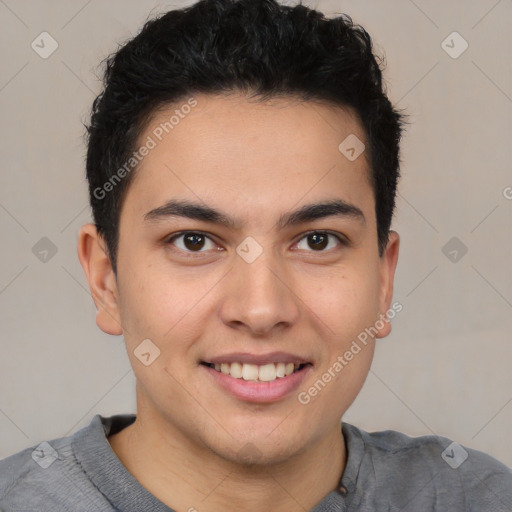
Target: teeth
[
  {"x": 250, "y": 372},
  {"x": 267, "y": 372},
  {"x": 264, "y": 373},
  {"x": 235, "y": 370}
]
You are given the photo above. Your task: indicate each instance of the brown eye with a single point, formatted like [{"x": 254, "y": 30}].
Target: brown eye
[
  {"x": 191, "y": 241},
  {"x": 319, "y": 240}
]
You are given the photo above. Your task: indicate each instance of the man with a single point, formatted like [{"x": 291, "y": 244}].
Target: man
[{"x": 242, "y": 165}]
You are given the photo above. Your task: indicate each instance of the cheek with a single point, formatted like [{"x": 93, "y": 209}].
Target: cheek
[
  {"x": 347, "y": 303},
  {"x": 159, "y": 308},
  {"x": 145, "y": 302},
  {"x": 347, "y": 306},
  {"x": 165, "y": 307}
]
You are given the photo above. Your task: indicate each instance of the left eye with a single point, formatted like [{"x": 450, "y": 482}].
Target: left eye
[
  {"x": 319, "y": 240},
  {"x": 194, "y": 241}
]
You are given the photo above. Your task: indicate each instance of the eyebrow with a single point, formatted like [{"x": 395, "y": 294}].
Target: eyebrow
[{"x": 205, "y": 213}]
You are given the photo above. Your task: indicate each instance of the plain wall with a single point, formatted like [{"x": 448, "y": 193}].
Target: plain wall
[{"x": 445, "y": 368}]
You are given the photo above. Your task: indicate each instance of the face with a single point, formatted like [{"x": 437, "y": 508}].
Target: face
[{"x": 260, "y": 296}]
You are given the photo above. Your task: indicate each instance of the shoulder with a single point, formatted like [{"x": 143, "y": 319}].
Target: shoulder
[
  {"x": 46, "y": 476},
  {"x": 435, "y": 466}
]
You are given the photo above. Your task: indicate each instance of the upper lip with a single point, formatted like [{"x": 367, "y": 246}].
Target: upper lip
[{"x": 258, "y": 359}]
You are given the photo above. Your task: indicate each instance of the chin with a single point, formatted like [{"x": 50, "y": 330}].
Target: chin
[
  {"x": 268, "y": 446},
  {"x": 253, "y": 454}
]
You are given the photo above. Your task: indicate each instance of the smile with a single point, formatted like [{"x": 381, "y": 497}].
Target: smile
[
  {"x": 259, "y": 373},
  {"x": 257, "y": 383}
]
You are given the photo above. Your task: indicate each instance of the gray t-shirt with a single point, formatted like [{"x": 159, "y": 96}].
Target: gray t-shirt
[{"x": 386, "y": 471}]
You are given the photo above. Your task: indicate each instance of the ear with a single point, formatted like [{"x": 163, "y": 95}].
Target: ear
[
  {"x": 95, "y": 261},
  {"x": 387, "y": 264}
]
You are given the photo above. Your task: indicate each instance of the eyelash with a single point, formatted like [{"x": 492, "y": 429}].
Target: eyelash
[{"x": 343, "y": 241}]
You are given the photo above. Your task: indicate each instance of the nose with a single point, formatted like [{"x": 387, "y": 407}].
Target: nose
[{"x": 259, "y": 296}]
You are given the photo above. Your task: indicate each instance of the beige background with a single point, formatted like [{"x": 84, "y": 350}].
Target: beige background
[{"x": 445, "y": 369}]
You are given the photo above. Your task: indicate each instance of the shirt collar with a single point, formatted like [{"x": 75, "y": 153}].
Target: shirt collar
[{"x": 107, "y": 472}]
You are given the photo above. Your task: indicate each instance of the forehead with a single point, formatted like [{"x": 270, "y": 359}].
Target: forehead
[{"x": 238, "y": 152}]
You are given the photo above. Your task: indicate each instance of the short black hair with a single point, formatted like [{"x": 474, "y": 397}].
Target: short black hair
[{"x": 222, "y": 46}]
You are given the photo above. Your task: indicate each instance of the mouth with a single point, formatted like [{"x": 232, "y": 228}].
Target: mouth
[
  {"x": 262, "y": 379},
  {"x": 257, "y": 377},
  {"x": 257, "y": 373}
]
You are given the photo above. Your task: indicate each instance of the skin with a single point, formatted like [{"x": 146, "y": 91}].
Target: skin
[{"x": 193, "y": 445}]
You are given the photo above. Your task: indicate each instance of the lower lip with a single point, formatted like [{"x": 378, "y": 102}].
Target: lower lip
[{"x": 260, "y": 392}]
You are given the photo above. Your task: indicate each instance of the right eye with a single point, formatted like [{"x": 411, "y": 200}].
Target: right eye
[{"x": 190, "y": 241}]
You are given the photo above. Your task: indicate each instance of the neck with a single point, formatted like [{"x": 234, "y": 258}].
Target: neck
[{"x": 188, "y": 476}]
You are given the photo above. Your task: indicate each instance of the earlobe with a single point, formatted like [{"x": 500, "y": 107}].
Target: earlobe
[
  {"x": 98, "y": 270},
  {"x": 388, "y": 264}
]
